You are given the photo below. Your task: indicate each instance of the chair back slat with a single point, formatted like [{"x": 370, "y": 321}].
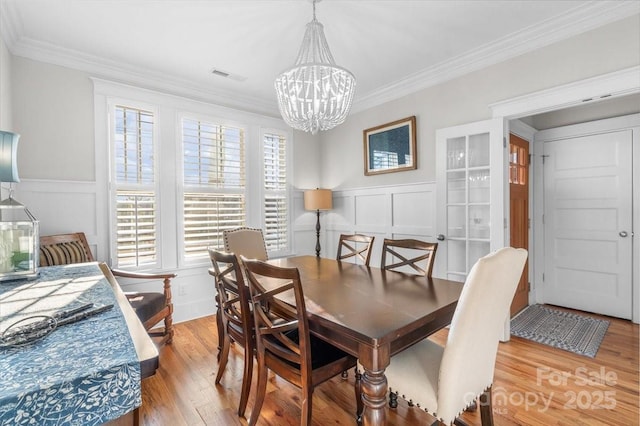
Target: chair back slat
[
  {"x": 355, "y": 246},
  {"x": 64, "y": 249},
  {"x": 419, "y": 255},
  {"x": 233, "y": 295},
  {"x": 282, "y": 328}
]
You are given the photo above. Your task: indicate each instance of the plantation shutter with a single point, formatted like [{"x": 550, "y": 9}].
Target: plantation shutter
[
  {"x": 275, "y": 189},
  {"x": 134, "y": 177},
  {"x": 214, "y": 184}
]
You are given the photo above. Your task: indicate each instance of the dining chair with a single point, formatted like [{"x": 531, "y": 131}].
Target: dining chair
[
  {"x": 234, "y": 316},
  {"x": 446, "y": 380},
  {"x": 247, "y": 242},
  {"x": 416, "y": 254},
  {"x": 283, "y": 342},
  {"x": 150, "y": 307},
  {"x": 357, "y": 246}
]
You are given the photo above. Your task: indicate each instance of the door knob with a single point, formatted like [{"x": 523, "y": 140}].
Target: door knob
[
  {"x": 440, "y": 237},
  {"x": 623, "y": 233}
]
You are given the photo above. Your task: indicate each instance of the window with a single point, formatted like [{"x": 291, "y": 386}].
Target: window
[
  {"x": 276, "y": 220},
  {"x": 135, "y": 191},
  {"x": 214, "y": 184},
  {"x": 181, "y": 172}
]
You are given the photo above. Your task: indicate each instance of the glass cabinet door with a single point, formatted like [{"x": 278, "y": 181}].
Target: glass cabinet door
[{"x": 465, "y": 174}]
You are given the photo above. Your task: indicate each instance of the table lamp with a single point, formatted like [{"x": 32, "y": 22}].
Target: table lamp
[{"x": 318, "y": 199}]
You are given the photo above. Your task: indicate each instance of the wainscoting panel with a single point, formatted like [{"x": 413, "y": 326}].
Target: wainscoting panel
[
  {"x": 402, "y": 211},
  {"x": 62, "y": 207}
]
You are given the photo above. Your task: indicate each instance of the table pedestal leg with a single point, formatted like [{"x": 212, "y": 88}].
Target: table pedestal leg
[{"x": 374, "y": 396}]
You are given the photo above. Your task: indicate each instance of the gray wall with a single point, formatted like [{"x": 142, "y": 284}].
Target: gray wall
[
  {"x": 52, "y": 107},
  {"x": 6, "y": 122},
  {"x": 466, "y": 99}
]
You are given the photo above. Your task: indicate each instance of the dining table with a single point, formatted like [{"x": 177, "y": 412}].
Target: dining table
[{"x": 372, "y": 314}]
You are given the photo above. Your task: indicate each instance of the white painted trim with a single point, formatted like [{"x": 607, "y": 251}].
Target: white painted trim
[
  {"x": 619, "y": 83},
  {"x": 576, "y": 21},
  {"x": 522, "y": 129}
]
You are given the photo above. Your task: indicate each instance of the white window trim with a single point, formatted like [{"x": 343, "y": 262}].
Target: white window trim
[
  {"x": 167, "y": 109},
  {"x": 112, "y": 103},
  {"x": 288, "y": 196}
]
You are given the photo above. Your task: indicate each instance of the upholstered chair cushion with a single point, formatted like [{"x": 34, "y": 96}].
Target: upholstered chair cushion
[
  {"x": 146, "y": 305},
  {"x": 444, "y": 381},
  {"x": 63, "y": 254}
]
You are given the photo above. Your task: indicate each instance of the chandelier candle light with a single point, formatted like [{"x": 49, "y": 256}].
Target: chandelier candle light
[
  {"x": 315, "y": 94},
  {"x": 318, "y": 199}
]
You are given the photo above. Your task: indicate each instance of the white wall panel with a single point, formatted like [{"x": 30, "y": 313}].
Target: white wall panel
[{"x": 394, "y": 211}]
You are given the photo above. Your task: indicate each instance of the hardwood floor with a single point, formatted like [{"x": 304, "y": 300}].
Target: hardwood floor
[{"x": 534, "y": 385}]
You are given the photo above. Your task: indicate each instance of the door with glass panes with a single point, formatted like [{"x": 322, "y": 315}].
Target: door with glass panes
[{"x": 470, "y": 170}]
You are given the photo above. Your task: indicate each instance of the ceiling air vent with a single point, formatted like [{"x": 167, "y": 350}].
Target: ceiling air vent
[{"x": 224, "y": 74}]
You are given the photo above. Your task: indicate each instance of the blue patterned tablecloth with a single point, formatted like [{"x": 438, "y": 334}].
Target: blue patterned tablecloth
[{"x": 85, "y": 373}]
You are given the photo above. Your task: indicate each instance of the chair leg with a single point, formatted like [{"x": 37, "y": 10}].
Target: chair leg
[
  {"x": 168, "y": 326},
  {"x": 136, "y": 417},
  {"x": 261, "y": 390},
  {"x": 224, "y": 357},
  {"x": 246, "y": 380},
  {"x": 486, "y": 408},
  {"x": 358, "y": 390},
  {"x": 219, "y": 326},
  {"x": 307, "y": 404}
]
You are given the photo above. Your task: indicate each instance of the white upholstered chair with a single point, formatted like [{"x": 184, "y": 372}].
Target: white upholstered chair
[
  {"x": 247, "y": 242},
  {"x": 446, "y": 380}
]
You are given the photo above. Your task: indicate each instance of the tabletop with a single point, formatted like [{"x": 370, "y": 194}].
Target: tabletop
[
  {"x": 372, "y": 314},
  {"x": 87, "y": 372}
]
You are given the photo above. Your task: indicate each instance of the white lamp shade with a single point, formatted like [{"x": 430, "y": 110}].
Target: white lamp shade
[
  {"x": 318, "y": 199},
  {"x": 9, "y": 156}
]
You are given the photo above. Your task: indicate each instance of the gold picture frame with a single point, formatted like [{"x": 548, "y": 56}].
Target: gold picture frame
[{"x": 390, "y": 147}]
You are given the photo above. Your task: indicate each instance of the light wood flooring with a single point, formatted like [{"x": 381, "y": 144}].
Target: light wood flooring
[{"x": 534, "y": 385}]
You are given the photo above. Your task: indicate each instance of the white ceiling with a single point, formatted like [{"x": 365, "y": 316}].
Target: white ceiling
[{"x": 393, "y": 47}]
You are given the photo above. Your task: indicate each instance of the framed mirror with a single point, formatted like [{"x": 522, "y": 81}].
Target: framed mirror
[{"x": 390, "y": 147}]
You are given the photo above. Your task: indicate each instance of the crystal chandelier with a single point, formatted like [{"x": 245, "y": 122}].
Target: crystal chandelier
[{"x": 315, "y": 94}]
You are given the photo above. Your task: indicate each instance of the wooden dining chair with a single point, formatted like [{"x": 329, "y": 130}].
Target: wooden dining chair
[
  {"x": 357, "y": 246},
  {"x": 150, "y": 307},
  {"x": 446, "y": 380},
  {"x": 416, "y": 254},
  {"x": 283, "y": 342},
  {"x": 234, "y": 316},
  {"x": 247, "y": 242}
]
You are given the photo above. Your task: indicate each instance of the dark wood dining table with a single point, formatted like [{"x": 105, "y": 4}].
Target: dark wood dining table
[{"x": 372, "y": 314}]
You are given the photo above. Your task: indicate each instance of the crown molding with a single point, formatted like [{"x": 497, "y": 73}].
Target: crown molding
[
  {"x": 607, "y": 86},
  {"x": 574, "y": 22},
  {"x": 9, "y": 22}
]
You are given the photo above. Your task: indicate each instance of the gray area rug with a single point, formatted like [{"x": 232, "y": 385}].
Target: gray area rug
[{"x": 564, "y": 330}]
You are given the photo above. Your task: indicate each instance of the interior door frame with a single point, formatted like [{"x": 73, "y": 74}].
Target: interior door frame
[{"x": 595, "y": 89}]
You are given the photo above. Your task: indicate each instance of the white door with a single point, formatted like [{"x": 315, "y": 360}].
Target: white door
[
  {"x": 470, "y": 171},
  {"x": 588, "y": 223}
]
